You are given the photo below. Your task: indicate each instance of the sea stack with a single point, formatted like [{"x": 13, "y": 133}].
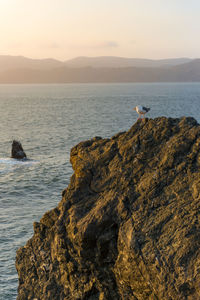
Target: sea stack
[
  {"x": 17, "y": 150},
  {"x": 128, "y": 225}
]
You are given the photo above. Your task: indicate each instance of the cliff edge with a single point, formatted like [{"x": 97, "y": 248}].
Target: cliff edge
[{"x": 127, "y": 226}]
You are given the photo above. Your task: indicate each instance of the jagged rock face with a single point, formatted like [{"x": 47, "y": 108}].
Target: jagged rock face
[
  {"x": 128, "y": 223},
  {"x": 17, "y": 150}
]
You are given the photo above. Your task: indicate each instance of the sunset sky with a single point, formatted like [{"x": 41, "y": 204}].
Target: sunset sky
[{"x": 64, "y": 29}]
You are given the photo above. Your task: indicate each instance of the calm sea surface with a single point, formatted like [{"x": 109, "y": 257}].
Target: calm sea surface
[{"x": 49, "y": 120}]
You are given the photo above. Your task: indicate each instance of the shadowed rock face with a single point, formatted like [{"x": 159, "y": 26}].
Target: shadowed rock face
[
  {"x": 17, "y": 150},
  {"x": 128, "y": 223}
]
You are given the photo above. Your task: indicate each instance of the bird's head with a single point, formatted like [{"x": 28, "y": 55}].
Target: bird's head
[{"x": 134, "y": 108}]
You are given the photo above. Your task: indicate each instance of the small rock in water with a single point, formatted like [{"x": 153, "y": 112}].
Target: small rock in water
[{"x": 17, "y": 150}]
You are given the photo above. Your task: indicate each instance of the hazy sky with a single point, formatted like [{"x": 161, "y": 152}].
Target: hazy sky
[{"x": 64, "y": 29}]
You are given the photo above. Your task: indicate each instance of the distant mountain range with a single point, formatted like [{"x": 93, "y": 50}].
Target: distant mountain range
[
  {"x": 122, "y": 62},
  {"x": 19, "y": 69}
]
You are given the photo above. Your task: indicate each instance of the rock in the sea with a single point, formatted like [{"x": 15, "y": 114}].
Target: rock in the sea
[
  {"x": 17, "y": 150},
  {"x": 128, "y": 225}
]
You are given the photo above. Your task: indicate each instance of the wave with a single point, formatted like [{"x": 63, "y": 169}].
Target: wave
[
  {"x": 9, "y": 165},
  {"x": 13, "y": 161}
]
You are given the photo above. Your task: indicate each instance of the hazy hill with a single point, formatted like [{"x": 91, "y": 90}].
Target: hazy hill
[
  {"x": 24, "y": 70},
  {"x": 8, "y": 62},
  {"x": 98, "y": 75},
  {"x": 188, "y": 71},
  {"x": 121, "y": 62}
]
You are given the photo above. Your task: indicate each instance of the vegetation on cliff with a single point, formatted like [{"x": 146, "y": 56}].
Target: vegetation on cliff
[{"x": 128, "y": 223}]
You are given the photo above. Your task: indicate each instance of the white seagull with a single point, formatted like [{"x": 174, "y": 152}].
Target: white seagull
[{"x": 141, "y": 110}]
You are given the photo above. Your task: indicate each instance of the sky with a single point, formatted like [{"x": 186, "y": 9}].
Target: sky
[{"x": 64, "y": 29}]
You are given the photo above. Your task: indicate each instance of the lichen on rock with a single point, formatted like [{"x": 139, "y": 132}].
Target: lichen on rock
[{"x": 127, "y": 226}]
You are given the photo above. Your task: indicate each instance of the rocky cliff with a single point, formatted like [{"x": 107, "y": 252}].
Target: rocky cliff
[{"x": 128, "y": 223}]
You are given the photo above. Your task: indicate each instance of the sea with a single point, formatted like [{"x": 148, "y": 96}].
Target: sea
[{"x": 49, "y": 120}]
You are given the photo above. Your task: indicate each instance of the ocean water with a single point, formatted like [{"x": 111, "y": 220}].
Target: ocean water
[{"x": 49, "y": 120}]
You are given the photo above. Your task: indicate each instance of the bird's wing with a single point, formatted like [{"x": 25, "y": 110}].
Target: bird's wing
[{"x": 145, "y": 109}]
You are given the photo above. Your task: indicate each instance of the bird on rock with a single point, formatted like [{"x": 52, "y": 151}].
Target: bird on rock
[{"x": 141, "y": 110}]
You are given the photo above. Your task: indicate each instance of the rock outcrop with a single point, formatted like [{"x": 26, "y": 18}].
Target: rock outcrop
[
  {"x": 17, "y": 151},
  {"x": 128, "y": 225}
]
